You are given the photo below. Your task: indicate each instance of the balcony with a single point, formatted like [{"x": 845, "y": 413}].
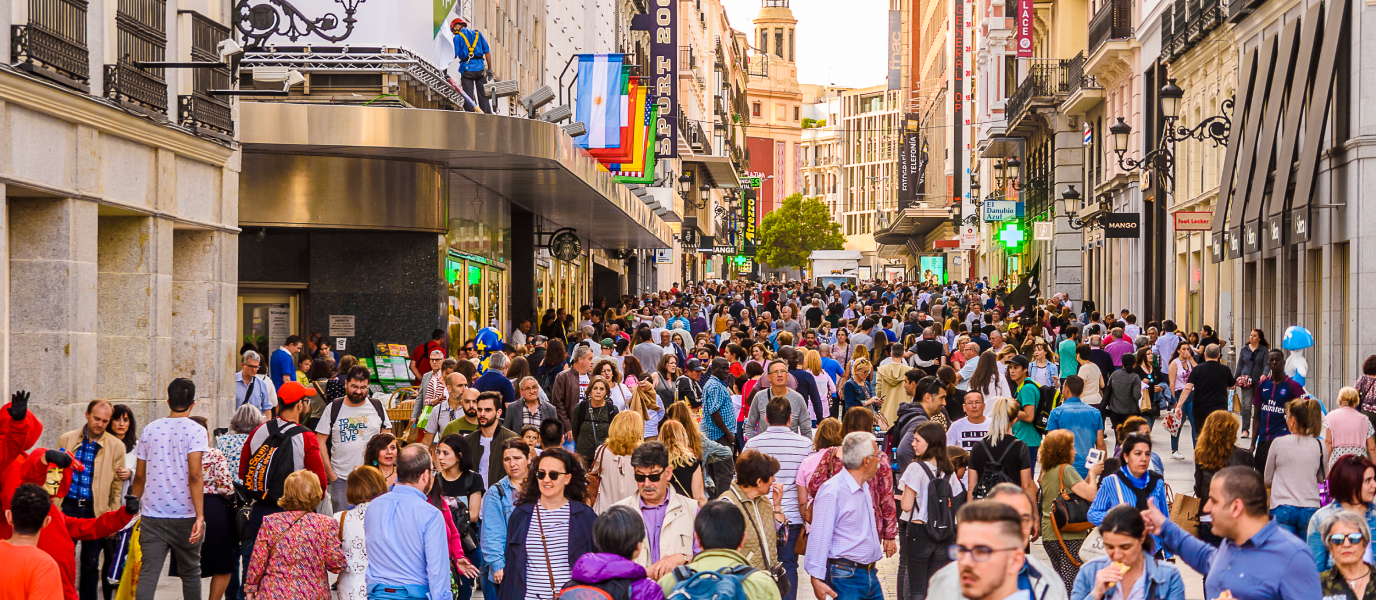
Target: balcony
[
  {"x": 1113, "y": 21},
  {"x": 1188, "y": 23},
  {"x": 199, "y": 110},
  {"x": 691, "y": 134},
  {"x": 1084, "y": 91},
  {"x": 1239, "y": 9},
  {"x": 1045, "y": 82},
  {"x": 141, "y": 35},
  {"x": 687, "y": 59},
  {"x": 53, "y": 43}
]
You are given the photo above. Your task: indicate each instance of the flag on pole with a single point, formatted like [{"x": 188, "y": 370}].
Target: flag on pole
[
  {"x": 599, "y": 100},
  {"x": 625, "y": 149}
]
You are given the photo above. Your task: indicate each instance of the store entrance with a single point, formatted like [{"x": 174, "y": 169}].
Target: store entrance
[
  {"x": 606, "y": 284},
  {"x": 267, "y": 317}
]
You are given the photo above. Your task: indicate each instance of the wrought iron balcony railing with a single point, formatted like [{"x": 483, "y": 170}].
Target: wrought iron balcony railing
[
  {"x": 1113, "y": 21},
  {"x": 200, "y": 109},
  {"x": 1042, "y": 81},
  {"x": 53, "y": 42},
  {"x": 141, "y": 35},
  {"x": 1075, "y": 75}
]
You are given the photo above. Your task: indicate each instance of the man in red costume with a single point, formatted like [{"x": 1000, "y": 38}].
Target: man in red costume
[{"x": 51, "y": 469}]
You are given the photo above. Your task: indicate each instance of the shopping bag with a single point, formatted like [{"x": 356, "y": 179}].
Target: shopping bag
[
  {"x": 1093, "y": 546},
  {"x": 129, "y": 582},
  {"x": 1173, "y": 422},
  {"x": 1185, "y": 513},
  {"x": 424, "y": 418}
]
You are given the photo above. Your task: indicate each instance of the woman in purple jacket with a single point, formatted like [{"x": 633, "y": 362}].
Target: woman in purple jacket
[{"x": 617, "y": 534}]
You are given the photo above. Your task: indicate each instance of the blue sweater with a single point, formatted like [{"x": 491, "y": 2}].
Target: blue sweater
[{"x": 282, "y": 367}]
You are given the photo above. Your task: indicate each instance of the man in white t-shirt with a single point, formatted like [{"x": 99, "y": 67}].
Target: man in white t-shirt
[
  {"x": 347, "y": 425},
  {"x": 968, "y": 430},
  {"x": 169, "y": 471}
]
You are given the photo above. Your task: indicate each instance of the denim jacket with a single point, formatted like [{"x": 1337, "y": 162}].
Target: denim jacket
[
  {"x": 498, "y": 502},
  {"x": 1163, "y": 580}
]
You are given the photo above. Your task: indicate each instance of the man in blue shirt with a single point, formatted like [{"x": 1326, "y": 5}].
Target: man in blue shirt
[
  {"x": 408, "y": 547},
  {"x": 1257, "y": 560},
  {"x": 829, "y": 364},
  {"x": 283, "y": 363},
  {"x": 470, "y": 48},
  {"x": 1083, "y": 421}
]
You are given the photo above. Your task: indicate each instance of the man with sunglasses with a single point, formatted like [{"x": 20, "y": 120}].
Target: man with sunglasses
[
  {"x": 668, "y": 516},
  {"x": 250, "y": 387}
]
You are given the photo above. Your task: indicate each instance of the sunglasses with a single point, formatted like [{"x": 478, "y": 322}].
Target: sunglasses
[
  {"x": 1351, "y": 538},
  {"x": 653, "y": 477},
  {"x": 550, "y": 475}
]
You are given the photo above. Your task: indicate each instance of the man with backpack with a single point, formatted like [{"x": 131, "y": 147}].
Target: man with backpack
[
  {"x": 719, "y": 570},
  {"x": 1029, "y": 396},
  {"x": 344, "y": 430},
  {"x": 930, "y": 404},
  {"x": 274, "y": 450}
]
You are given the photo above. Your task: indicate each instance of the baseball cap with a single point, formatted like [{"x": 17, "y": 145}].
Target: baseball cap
[
  {"x": 694, "y": 365},
  {"x": 608, "y": 343},
  {"x": 292, "y": 392},
  {"x": 1017, "y": 359}
]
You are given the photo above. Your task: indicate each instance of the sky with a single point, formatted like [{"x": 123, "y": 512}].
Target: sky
[{"x": 840, "y": 42}]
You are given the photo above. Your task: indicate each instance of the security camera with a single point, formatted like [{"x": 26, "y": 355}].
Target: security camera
[{"x": 228, "y": 49}]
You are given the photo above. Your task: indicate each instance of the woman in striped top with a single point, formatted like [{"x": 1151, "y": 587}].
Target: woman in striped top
[{"x": 549, "y": 530}]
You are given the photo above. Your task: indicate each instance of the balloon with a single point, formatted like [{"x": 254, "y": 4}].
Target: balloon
[{"x": 1297, "y": 338}]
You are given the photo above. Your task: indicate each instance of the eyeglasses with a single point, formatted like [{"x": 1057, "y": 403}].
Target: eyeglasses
[
  {"x": 979, "y": 553},
  {"x": 653, "y": 477},
  {"x": 1353, "y": 538},
  {"x": 254, "y": 367},
  {"x": 550, "y": 475}
]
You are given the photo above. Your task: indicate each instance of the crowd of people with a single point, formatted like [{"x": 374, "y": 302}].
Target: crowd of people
[{"x": 691, "y": 442}]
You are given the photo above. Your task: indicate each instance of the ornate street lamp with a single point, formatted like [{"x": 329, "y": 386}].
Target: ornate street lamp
[
  {"x": 1071, "y": 198},
  {"x": 1215, "y": 129}
]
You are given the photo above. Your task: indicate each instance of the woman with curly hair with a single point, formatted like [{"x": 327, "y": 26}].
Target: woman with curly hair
[
  {"x": 549, "y": 530},
  {"x": 1217, "y": 449}
]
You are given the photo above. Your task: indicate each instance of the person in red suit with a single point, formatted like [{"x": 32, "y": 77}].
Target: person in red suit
[{"x": 51, "y": 469}]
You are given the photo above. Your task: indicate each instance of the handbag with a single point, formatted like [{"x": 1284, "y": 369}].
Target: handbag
[
  {"x": 1173, "y": 422},
  {"x": 594, "y": 476},
  {"x": 549, "y": 567},
  {"x": 1185, "y": 513},
  {"x": 1069, "y": 512},
  {"x": 1093, "y": 546}
]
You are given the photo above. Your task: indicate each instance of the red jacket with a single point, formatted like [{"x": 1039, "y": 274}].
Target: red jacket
[{"x": 17, "y": 467}]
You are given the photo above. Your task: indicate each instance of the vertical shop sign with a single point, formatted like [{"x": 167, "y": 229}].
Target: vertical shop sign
[
  {"x": 662, "y": 23},
  {"x": 910, "y": 162},
  {"x": 958, "y": 103},
  {"x": 748, "y": 214},
  {"x": 780, "y": 149},
  {"x": 895, "y": 50},
  {"x": 1024, "y": 29}
]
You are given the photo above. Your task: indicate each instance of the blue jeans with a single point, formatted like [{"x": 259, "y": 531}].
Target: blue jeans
[
  {"x": 1294, "y": 519},
  {"x": 854, "y": 584},
  {"x": 789, "y": 557}
]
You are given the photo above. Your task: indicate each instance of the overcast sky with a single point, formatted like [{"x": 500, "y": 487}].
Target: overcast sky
[{"x": 840, "y": 42}]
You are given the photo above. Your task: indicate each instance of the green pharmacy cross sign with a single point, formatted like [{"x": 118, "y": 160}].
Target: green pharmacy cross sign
[{"x": 1012, "y": 236}]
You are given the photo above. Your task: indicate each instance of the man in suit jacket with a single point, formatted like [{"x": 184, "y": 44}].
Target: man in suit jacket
[
  {"x": 486, "y": 443},
  {"x": 514, "y": 418}
]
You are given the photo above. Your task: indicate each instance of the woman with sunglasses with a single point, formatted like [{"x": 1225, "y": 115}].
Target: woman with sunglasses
[
  {"x": 1346, "y": 536},
  {"x": 549, "y": 530},
  {"x": 1352, "y": 484},
  {"x": 1128, "y": 570}
]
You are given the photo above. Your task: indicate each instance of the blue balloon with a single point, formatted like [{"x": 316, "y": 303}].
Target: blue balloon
[{"x": 1297, "y": 338}]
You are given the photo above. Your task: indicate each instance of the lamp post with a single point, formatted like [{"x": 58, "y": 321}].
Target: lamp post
[
  {"x": 1215, "y": 129},
  {"x": 1071, "y": 198}
]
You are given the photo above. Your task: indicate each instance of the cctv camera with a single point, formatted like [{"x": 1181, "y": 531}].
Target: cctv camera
[{"x": 228, "y": 49}]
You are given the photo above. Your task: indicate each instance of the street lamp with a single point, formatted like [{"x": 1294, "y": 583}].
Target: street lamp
[
  {"x": 1215, "y": 129},
  {"x": 1071, "y": 198}
]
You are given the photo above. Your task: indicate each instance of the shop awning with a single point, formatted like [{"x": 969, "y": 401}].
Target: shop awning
[
  {"x": 533, "y": 164},
  {"x": 719, "y": 167},
  {"x": 914, "y": 222}
]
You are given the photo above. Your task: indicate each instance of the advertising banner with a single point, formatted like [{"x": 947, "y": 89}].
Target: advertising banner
[
  {"x": 909, "y": 162},
  {"x": 958, "y": 104},
  {"x": 421, "y": 26},
  {"x": 1024, "y": 28},
  {"x": 662, "y": 23},
  {"x": 895, "y": 49},
  {"x": 933, "y": 269},
  {"x": 748, "y": 200}
]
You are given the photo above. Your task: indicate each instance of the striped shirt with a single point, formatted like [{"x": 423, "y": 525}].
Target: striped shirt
[
  {"x": 789, "y": 449},
  {"x": 547, "y": 552}
]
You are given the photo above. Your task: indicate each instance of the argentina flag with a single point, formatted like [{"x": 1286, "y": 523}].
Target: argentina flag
[{"x": 599, "y": 100}]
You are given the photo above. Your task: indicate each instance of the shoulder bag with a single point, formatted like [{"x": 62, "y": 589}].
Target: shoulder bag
[
  {"x": 1069, "y": 512},
  {"x": 595, "y": 474},
  {"x": 549, "y": 566}
]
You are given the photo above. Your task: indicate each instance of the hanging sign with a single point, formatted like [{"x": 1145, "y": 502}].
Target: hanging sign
[
  {"x": 1000, "y": 210},
  {"x": 1024, "y": 30},
  {"x": 1043, "y": 231},
  {"x": 663, "y": 256},
  {"x": 1122, "y": 225}
]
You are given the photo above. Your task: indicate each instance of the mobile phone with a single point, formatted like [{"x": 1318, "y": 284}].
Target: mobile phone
[{"x": 1094, "y": 456}]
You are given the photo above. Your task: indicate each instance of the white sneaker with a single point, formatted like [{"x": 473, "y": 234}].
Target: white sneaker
[{"x": 1177, "y": 455}]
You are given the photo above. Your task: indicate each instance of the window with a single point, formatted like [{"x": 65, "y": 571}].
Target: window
[
  {"x": 779, "y": 42},
  {"x": 764, "y": 40},
  {"x": 755, "y": 109},
  {"x": 790, "y": 44},
  {"x": 795, "y": 113}
]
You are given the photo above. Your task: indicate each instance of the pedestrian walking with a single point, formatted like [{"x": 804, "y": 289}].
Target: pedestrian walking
[
  {"x": 1000, "y": 457},
  {"x": 1352, "y": 484},
  {"x": 220, "y": 551},
  {"x": 1274, "y": 392},
  {"x": 1039, "y": 578},
  {"x": 925, "y": 524},
  {"x": 1208, "y": 386},
  {"x": 592, "y": 418},
  {"x": 569, "y": 389},
  {"x": 549, "y": 530},
  {"x": 843, "y": 514},
  {"x": 1347, "y": 537},
  {"x": 1085, "y": 423},
  {"x": 759, "y": 498},
  {"x": 988, "y": 573},
  {"x": 1060, "y": 480},
  {"x": 1134, "y": 483},
  {"x": 170, "y": 485},
  {"x": 498, "y": 503},
  {"x": 790, "y": 450},
  {"x": 364, "y": 484},
  {"x": 721, "y": 529},
  {"x": 345, "y": 429},
  {"x": 1346, "y": 430},
  {"x": 1129, "y": 567},
  {"x": 1178, "y": 372},
  {"x": 775, "y": 385},
  {"x": 29, "y": 573},
  {"x": 96, "y": 488},
  {"x": 1296, "y": 466},
  {"x": 298, "y": 547},
  {"x": 253, "y": 387},
  {"x": 614, "y": 476},
  {"x": 1252, "y": 359},
  {"x": 1257, "y": 560},
  {"x": 482, "y": 444},
  {"x": 1216, "y": 450},
  {"x": 616, "y": 535},
  {"x": 382, "y": 454}
]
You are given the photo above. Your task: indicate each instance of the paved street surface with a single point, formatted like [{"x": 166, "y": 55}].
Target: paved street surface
[{"x": 1179, "y": 474}]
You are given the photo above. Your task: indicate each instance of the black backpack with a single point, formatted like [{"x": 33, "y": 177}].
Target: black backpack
[
  {"x": 992, "y": 474},
  {"x": 1049, "y": 399},
  {"x": 272, "y": 462},
  {"x": 941, "y": 514}
]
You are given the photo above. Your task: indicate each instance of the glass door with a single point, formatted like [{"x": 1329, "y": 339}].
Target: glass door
[{"x": 266, "y": 319}]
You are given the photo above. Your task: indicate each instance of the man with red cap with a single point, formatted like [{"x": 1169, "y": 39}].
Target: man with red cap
[
  {"x": 470, "y": 49},
  {"x": 274, "y": 450}
]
